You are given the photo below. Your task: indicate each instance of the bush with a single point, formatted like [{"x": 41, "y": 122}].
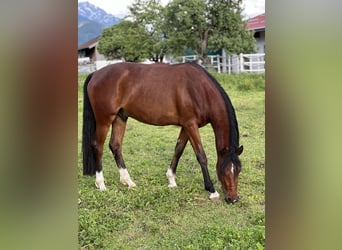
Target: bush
[{"x": 241, "y": 82}]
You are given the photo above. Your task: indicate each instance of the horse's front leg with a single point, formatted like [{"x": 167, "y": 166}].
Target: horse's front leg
[
  {"x": 181, "y": 143},
  {"x": 196, "y": 144}
]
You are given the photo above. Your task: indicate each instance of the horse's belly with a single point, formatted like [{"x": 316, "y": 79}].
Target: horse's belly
[{"x": 154, "y": 116}]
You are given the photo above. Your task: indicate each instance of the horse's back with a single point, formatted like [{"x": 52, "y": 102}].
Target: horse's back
[{"x": 158, "y": 94}]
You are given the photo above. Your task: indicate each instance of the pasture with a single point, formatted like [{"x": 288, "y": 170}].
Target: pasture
[{"x": 153, "y": 216}]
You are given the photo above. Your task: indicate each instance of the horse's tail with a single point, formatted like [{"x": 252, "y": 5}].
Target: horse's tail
[{"x": 88, "y": 132}]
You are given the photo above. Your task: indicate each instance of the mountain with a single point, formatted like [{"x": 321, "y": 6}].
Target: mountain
[
  {"x": 89, "y": 12},
  {"x": 92, "y": 20}
]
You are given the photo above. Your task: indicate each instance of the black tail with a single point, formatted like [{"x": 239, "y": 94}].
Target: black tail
[{"x": 88, "y": 132}]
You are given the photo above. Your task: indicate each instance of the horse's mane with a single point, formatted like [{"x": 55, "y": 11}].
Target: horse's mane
[{"x": 234, "y": 135}]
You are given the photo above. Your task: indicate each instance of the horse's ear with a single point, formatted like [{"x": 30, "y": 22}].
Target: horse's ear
[{"x": 239, "y": 150}]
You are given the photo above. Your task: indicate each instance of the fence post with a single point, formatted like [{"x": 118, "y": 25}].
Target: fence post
[
  {"x": 257, "y": 63},
  {"x": 218, "y": 64},
  {"x": 224, "y": 61},
  {"x": 229, "y": 65},
  {"x": 241, "y": 63},
  {"x": 249, "y": 58}
]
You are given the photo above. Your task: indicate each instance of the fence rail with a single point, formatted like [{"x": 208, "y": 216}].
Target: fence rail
[{"x": 252, "y": 63}]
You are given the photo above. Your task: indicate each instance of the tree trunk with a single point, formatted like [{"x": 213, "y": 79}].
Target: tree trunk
[{"x": 204, "y": 39}]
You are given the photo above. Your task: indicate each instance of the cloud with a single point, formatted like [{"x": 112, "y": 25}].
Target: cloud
[{"x": 253, "y": 7}]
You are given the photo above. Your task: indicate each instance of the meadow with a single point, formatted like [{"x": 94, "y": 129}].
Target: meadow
[{"x": 153, "y": 216}]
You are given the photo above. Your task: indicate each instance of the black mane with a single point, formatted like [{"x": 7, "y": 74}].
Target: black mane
[{"x": 234, "y": 135}]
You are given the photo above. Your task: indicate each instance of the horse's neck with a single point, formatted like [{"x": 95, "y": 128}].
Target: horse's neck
[{"x": 220, "y": 125}]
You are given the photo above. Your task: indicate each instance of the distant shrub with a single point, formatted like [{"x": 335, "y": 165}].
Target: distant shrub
[
  {"x": 251, "y": 82},
  {"x": 241, "y": 82}
]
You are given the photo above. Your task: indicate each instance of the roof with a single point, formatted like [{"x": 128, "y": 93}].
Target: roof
[
  {"x": 90, "y": 44},
  {"x": 257, "y": 22}
]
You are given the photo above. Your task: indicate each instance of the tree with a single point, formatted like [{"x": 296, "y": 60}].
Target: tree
[
  {"x": 186, "y": 25},
  {"x": 150, "y": 15},
  {"x": 127, "y": 40},
  {"x": 208, "y": 24},
  {"x": 155, "y": 30}
]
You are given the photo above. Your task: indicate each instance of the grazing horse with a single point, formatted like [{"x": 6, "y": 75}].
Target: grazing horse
[{"x": 159, "y": 94}]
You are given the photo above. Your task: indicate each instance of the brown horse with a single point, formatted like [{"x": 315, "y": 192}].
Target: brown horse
[{"x": 159, "y": 94}]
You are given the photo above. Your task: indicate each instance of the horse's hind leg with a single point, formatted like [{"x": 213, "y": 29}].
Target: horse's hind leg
[
  {"x": 115, "y": 145},
  {"x": 181, "y": 143},
  {"x": 100, "y": 137}
]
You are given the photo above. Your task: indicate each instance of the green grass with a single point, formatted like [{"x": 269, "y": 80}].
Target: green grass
[{"x": 153, "y": 216}]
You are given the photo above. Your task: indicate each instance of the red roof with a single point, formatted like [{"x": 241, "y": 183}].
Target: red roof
[{"x": 257, "y": 22}]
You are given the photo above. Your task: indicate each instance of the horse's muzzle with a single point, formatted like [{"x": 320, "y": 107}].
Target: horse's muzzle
[{"x": 231, "y": 201}]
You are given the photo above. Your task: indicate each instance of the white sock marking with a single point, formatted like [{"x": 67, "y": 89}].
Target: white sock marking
[
  {"x": 99, "y": 181},
  {"x": 214, "y": 196},
  {"x": 125, "y": 178},
  {"x": 171, "y": 177}
]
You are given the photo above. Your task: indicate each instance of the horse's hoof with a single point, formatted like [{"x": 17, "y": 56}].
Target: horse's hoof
[
  {"x": 101, "y": 186},
  {"x": 214, "y": 196},
  {"x": 99, "y": 181},
  {"x": 172, "y": 185},
  {"x": 131, "y": 185}
]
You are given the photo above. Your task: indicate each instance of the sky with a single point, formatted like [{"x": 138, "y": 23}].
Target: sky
[{"x": 119, "y": 7}]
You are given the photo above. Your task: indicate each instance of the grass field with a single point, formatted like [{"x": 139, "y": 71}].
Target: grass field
[{"x": 153, "y": 216}]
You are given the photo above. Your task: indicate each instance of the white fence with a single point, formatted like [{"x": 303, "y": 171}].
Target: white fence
[
  {"x": 91, "y": 67},
  {"x": 252, "y": 63},
  {"x": 83, "y": 60}
]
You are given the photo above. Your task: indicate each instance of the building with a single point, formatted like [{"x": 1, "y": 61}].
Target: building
[
  {"x": 89, "y": 50},
  {"x": 258, "y": 25}
]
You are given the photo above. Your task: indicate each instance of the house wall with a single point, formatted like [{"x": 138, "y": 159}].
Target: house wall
[
  {"x": 260, "y": 41},
  {"x": 92, "y": 53},
  {"x": 98, "y": 56}
]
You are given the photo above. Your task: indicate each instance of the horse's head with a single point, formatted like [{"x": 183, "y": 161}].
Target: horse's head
[{"x": 228, "y": 175}]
